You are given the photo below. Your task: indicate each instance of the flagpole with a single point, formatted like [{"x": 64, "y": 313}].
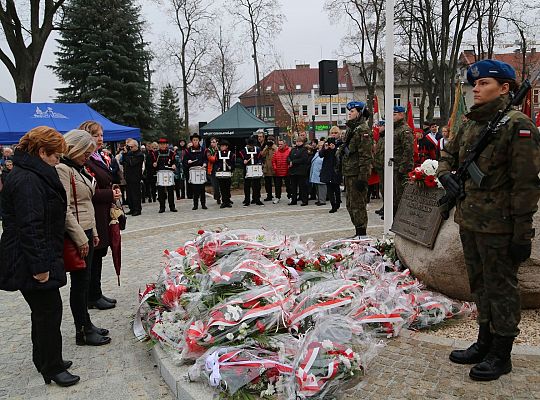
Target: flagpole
[{"x": 389, "y": 120}]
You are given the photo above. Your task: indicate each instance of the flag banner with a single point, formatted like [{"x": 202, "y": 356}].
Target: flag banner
[{"x": 458, "y": 111}]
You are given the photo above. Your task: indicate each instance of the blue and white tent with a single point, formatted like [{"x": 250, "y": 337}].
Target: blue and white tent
[{"x": 18, "y": 118}]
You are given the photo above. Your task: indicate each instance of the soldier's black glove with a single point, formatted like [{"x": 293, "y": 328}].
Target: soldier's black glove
[
  {"x": 520, "y": 252},
  {"x": 360, "y": 185},
  {"x": 451, "y": 184}
]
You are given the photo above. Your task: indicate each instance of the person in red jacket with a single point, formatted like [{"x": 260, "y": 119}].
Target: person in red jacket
[{"x": 281, "y": 169}]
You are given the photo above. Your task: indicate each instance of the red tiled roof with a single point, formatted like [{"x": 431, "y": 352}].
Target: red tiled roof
[
  {"x": 287, "y": 79},
  {"x": 532, "y": 60}
]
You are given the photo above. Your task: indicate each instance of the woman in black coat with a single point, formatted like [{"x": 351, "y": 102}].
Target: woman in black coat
[
  {"x": 330, "y": 174},
  {"x": 104, "y": 196},
  {"x": 299, "y": 164},
  {"x": 32, "y": 243}
]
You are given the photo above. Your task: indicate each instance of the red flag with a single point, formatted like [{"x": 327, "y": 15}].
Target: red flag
[
  {"x": 410, "y": 120},
  {"x": 376, "y": 118},
  {"x": 527, "y": 109}
]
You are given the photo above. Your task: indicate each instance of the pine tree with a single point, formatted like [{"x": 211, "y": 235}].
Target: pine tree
[
  {"x": 104, "y": 61},
  {"x": 168, "y": 116}
]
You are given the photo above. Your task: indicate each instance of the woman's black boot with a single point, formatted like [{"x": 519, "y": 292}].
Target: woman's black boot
[
  {"x": 87, "y": 336},
  {"x": 63, "y": 378}
]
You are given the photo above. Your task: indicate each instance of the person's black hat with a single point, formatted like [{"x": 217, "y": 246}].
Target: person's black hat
[
  {"x": 194, "y": 135},
  {"x": 251, "y": 141},
  {"x": 224, "y": 142}
]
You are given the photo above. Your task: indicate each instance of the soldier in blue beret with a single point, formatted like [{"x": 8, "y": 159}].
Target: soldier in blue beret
[
  {"x": 495, "y": 216},
  {"x": 399, "y": 109}
]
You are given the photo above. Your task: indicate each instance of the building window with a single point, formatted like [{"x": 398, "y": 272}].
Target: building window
[
  {"x": 304, "y": 110},
  {"x": 437, "y": 101},
  {"x": 397, "y": 99},
  {"x": 417, "y": 97},
  {"x": 334, "y": 110},
  {"x": 536, "y": 96},
  {"x": 343, "y": 109},
  {"x": 316, "y": 110},
  {"x": 298, "y": 87},
  {"x": 323, "y": 109},
  {"x": 268, "y": 88},
  {"x": 315, "y": 86},
  {"x": 281, "y": 87},
  {"x": 252, "y": 110}
]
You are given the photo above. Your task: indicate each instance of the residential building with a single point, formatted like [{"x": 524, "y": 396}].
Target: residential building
[{"x": 290, "y": 99}]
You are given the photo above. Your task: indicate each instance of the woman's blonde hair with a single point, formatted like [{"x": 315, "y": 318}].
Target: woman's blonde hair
[
  {"x": 78, "y": 142},
  {"x": 42, "y": 137},
  {"x": 92, "y": 127},
  {"x": 335, "y": 129}
]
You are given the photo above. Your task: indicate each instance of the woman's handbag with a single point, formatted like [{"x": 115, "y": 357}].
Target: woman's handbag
[{"x": 72, "y": 258}]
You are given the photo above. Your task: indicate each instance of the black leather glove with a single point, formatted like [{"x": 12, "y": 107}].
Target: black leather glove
[
  {"x": 520, "y": 252},
  {"x": 360, "y": 185},
  {"x": 451, "y": 184}
]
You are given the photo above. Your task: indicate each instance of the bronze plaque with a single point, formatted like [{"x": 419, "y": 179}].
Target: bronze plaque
[{"x": 418, "y": 217}]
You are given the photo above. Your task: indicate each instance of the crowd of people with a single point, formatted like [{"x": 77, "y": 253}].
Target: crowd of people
[{"x": 56, "y": 188}]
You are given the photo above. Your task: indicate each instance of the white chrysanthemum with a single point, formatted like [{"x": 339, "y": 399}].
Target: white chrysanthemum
[
  {"x": 229, "y": 336},
  {"x": 429, "y": 167}
]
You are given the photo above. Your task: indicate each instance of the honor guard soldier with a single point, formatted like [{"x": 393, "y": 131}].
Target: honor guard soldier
[
  {"x": 253, "y": 172},
  {"x": 496, "y": 201},
  {"x": 355, "y": 159},
  {"x": 195, "y": 160},
  {"x": 403, "y": 153},
  {"x": 164, "y": 164},
  {"x": 224, "y": 168}
]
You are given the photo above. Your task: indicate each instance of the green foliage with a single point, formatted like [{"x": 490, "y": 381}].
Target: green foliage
[
  {"x": 168, "y": 120},
  {"x": 103, "y": 60}
]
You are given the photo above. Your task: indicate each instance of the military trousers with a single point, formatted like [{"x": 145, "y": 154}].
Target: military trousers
[
  {"x": 399, "y": 187},
  {"x": 493, "y": 280},
  {"x": 356, "y": 202}
]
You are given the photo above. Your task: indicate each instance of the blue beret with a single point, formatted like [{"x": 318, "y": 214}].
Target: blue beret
[
  {"x": 490, "y": 69},
  {"x": 356, "y": 104},
  {"x": 381, "y": 122},
  {"x": 399, "y": 109}
]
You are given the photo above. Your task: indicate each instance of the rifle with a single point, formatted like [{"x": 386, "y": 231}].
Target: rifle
[{"x": 469, "y": 168}]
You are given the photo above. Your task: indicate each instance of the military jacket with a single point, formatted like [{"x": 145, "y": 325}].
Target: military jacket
[
  {"x": 356, "y": 157},
  {"x": 378, "y": 159},
  {"x": 403, "y": 147},
  {"x": 509, "y": 195}
]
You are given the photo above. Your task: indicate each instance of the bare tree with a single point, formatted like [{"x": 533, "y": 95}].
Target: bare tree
[
  {"x": 288, "y": 94},
  {"x": 220, "y": 74},
  {"x": 262, "y": 19},
  {"x": 438, "y": 28},
  {"x": 367, "y": 20},
  {"x": 192, "y": 18},
  {"x": 26, "y": 41}
]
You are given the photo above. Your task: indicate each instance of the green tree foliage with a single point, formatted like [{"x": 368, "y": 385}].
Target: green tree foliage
[
  {"x": 104, "y": 61},
  {"x": 168, "y": 119}
]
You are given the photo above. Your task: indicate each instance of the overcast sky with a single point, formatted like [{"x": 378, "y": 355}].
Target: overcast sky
[{"x": 307, "y": 37}]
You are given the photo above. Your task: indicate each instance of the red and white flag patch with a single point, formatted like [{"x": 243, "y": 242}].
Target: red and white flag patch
[{"x": 524, "y": 133}]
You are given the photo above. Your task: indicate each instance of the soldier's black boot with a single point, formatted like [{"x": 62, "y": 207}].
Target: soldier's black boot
[
  {"x": 360, "y": 231},
  {"x": 497, "y": 362},
  {"x": 477, "y": 351}
]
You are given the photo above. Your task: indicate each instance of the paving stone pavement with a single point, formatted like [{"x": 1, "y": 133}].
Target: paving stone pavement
[{"x": 408, "y": 368}]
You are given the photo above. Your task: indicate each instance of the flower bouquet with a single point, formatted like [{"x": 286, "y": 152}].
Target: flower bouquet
[
  {"x": 333, "y": 355},
  {"x": 425, "y": 174},
  {"x": 246, "y": 369}
]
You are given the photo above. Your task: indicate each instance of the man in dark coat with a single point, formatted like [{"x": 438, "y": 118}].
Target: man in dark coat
[
  {"x": 133, "y": 160},
  {"x": 251, "y": 155},
  {"x": 196, "y": 157}
]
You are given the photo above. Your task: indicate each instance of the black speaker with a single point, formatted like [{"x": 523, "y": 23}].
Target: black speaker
[{"x": 328, "y": 77}]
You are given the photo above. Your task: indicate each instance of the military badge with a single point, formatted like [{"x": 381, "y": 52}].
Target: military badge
[
  {"x": 524, "y": 133},
  {"x": 475, "y": 71}
]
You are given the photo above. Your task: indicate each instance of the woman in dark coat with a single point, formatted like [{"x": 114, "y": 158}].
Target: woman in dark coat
[
  {"x": 31, "y": 246},
  {"x": 330, "y": 174},
  {"x": 104, "y": 196}
]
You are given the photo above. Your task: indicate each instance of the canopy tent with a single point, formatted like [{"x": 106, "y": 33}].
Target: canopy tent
[
  {"x": 236, "y": 122},
  {"x": 18, "y": 118}
]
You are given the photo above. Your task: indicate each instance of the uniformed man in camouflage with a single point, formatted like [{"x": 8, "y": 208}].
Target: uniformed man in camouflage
[
  {"x": 378, "y": 161},
  {"x": 355, "y": 159},
  {"x": 495, "y": 219},
  {"x": 403, "y": 153}
]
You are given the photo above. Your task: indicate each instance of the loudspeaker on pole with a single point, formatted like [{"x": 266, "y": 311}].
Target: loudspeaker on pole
[{"x": 328, "y": 77}]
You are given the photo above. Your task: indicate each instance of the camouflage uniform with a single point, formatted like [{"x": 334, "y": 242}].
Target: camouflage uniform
[
  {"x": 356, "y": 162},
  {"x": 403, "y": 158},
  {"x": 378, "y": 160},
  {"x": 498, "y": 213}
]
